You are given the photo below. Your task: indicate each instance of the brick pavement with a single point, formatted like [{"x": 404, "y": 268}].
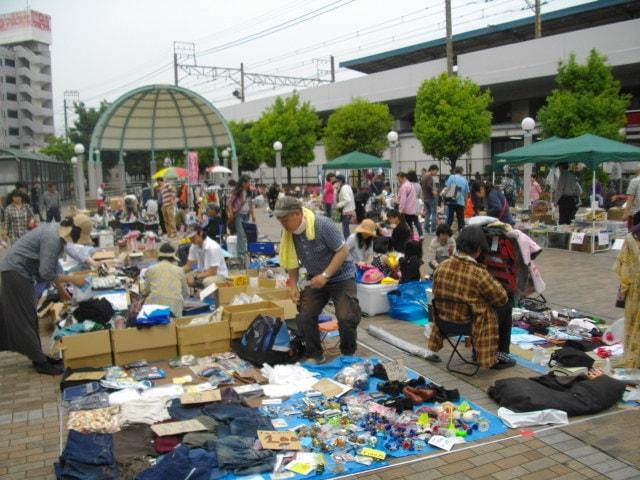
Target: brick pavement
[{"x": 599, "y": 447}]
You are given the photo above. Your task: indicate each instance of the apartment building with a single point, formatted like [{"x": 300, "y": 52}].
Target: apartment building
[{"x": 26, "y": 99}]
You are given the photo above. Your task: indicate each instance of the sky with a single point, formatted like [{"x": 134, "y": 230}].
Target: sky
[{"x": 103, "y": 48}]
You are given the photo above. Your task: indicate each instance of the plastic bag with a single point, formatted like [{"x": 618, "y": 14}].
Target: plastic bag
[
  {"x": 356, "y": 375},
  {"x": 409, "y": 301}
]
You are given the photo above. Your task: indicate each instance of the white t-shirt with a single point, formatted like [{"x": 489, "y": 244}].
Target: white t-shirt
[{"x": 209, "y": 255}]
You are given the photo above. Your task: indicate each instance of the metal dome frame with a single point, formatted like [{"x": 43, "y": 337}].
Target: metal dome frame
[{"x": 183, "y": 110}]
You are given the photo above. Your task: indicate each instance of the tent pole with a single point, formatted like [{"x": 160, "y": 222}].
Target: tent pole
[{"x": 593, "y": 209}]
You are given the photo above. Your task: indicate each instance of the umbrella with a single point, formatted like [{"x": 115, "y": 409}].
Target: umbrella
[
  {"x": 218, "y": 169},
  {"x": 171, "y": 172}
]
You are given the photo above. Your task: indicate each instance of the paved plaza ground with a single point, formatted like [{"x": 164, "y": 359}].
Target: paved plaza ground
[{"x": 601, "y": 446}]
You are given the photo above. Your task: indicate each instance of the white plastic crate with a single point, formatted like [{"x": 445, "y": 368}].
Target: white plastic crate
[{"x": 373, "y": 298}]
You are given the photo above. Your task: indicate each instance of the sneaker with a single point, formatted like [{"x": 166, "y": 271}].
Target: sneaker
[
  {"x": 317, "y": 360},
  {"x": 504, "y": 361},
  {"x": 47, "y": 368}
]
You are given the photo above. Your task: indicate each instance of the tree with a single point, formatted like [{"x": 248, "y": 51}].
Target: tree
[
  {"x": 451, "y": 115},
  {"x": 296, "y": 126},
  {"x": 247, "y": 159},
  {"x": 85, "y": 122},
  {"x": 58, "y": 148},
  {"x": 359, "y": 125},
  {"x": 587, "y": 100}
]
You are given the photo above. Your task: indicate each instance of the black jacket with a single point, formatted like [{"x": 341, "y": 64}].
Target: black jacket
[{"x": 574, "y": 395}]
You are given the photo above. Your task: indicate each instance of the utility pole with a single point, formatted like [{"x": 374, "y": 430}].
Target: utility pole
[
  {"x": 538, "y": 28},
  {"x": 175, "y": 69},
  {"x": 70, "y": 97},
  {"x": 333, "y": 69},
  {"x": 241, "y": 82},
  {"x": 447, "y": 7}
]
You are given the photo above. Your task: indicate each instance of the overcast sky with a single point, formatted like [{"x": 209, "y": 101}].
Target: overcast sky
[{"x": 103, "y": 48}]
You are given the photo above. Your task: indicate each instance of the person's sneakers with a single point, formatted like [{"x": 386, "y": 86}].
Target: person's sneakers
[
  {"x": 504, "y": 361},
  {"x": 48, "y": 368},
  {"x": 319, "y": 360},
  {"x": 55, "y": 361}
]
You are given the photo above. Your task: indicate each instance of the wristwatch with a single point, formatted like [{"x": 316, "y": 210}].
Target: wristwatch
[{"x": 324, "y": 274}]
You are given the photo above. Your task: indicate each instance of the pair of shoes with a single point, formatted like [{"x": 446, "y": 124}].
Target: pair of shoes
[
  {"x": 349, "y": 353},
  {"x": 54, "y": 361},
  {"x": 48, "y": 368},
  {"x": 398, "y": 404},
  {"x": 418, "y": 395},
  {"x": 503, "y": 363},
  {"x": 319, "y": 360}
]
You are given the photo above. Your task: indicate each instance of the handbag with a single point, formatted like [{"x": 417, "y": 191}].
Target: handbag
[
  {"x": 450, "y": 193},
  {"x": 621, "y": 298},
  {"x": 570, "y": 357}
]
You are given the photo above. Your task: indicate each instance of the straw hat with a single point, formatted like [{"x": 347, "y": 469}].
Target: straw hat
[
  {"x": 367, "y": 227},
  {"x": 84, "y": 223}
]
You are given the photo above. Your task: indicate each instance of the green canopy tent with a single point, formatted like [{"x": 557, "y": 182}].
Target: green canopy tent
[
  {"x": 588, "y": 149},
  {"x": 356, "y": 161}
]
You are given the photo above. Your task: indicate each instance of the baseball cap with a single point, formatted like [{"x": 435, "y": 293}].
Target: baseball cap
[
  {"x": 84, "y": 223},
  {"x": 286, "y": 205}
]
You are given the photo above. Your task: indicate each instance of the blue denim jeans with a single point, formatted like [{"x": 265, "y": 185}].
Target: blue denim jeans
[
  {"x": 238, "y": 220},
  {"x": 178, "y": 412},
  {"x": 430, "y": 215},
  {"x": 228, "y": 412},
  {"x": 238, "y": 455},
  {"x": 87, "y": 456},
  {"x": 182, "y": 463},
  {"x": 249, "y": 426}
]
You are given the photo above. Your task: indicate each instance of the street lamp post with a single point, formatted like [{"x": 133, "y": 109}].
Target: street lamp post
[
  {"x": 98, "y": 170},
  {"x": 79, "y": 151},
  {"x": 74, "y": 168},
  {"x": 528, "y": 124},
  {"x": 277, "y": 146},
  {"x": 225, "y": 163},
  {"x": 392, "y": 137}
]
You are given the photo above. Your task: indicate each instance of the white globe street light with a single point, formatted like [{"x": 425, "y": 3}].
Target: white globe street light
[
  {"x": 74, "y": 161},
  {"x": 392, "y": 137},
  {"x": 527, "y": 124},
  {"x": 78, "y": 149},
  {"x": 277, "y": 146}
]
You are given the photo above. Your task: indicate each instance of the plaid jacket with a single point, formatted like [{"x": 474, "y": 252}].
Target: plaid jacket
[
  {"x": 16, "y": 221},
  {"x": 461, "y": 278}
]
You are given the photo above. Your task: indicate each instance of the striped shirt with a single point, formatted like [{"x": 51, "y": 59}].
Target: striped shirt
[
  {"x": 168, "y": 194},
  {"x": 16, "y": 220}
]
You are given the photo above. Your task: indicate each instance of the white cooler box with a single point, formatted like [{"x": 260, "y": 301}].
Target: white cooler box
[{"x": 373, "y": 298}]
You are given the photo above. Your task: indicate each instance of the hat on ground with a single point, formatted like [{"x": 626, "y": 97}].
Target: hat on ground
[
  {"x": 84, "y": 224},
  {"x": 287, "y": 205},
  {"x": 367, "y": 227}
]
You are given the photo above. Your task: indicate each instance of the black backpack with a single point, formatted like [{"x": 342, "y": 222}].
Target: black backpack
[{"x": 268, "y": 340}]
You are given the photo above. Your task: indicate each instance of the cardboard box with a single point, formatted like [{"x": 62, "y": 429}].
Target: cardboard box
[
  {"x": 155, "y": 343},
  {"x": 615, "y": 213},
  {"x": 226, "y": 293},
  {"x": 281, "y": 297},
  {"x": 241, "y": 316},
  {"x": 116, "y": 203},
  {"x": 202, "y": 340},
  {"x": 91, "y": 349},
  {"x": 48, "y": 317},
  {"x": 266, "y": 282}
]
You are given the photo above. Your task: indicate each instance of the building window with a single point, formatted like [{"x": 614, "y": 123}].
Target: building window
[
  {"x": 12, "y": 97},
  {"x": 11, "y": 80},
  {"x": 14, "y": 132},
  {"x": 12, "y": 113},
  {"x": 9, "y": 63}
]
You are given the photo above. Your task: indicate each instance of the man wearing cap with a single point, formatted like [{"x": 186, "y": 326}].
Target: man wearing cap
[
  {"x": 216, "y": 226},
  {"x": 205, "y": 254},
  {"x": 165, "y": 282},
  {"x": 34, "y": 258},
  {"x": 314, "y": 242}
]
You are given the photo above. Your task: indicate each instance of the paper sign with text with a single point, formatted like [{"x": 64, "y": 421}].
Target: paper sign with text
[
  {"x": 577, "y": 238},
  {"x": 201, "y": 397},
  {"x": 274, "y": 440},
  {"x": 175, "y": 428}
]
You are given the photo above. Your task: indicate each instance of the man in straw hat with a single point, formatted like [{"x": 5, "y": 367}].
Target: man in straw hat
[
  {"x": 34, "y": 258},
  {"x": 315, "y": 242}
]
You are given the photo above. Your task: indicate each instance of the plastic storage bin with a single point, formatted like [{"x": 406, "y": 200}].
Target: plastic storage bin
[
  {"x": 373, "y": 298},
  {"x": 232, "y": 245}
]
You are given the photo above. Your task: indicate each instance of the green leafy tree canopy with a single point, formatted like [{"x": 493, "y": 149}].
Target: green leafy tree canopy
[
  {"x": 85, "y": 122},
  {"x": 359, "y": 125},
  {"x": 247, "y": 158},
  {"x": 587, "y": 100},
  {"x": 295, "y": 125},
  {"x": 451, "y": 115},
  {"x": 58, "y": 148}
]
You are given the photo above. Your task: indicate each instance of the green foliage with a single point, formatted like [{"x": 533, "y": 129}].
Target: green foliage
[
  {"x": 85, "y": 122},
  {"x": 295, "y": 125},
  {"x": 59, "y": 149},
  {"x": 247, "y": 158},
  {"x": 451, "y": 115},
  {"x": 587, "y": 100},
  {"x": 359, "y": 125}
]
